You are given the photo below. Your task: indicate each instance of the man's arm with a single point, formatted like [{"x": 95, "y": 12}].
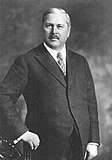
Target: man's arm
[
  {"x": 11, "y": 88},
  {"x": 93, "y": 144},
  {"x": 92, "y": 107}
]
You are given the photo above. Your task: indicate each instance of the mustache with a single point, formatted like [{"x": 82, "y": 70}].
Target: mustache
[{"x": 54, "y": 36}]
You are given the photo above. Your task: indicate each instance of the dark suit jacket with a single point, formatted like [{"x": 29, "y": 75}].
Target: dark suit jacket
[{"x": 50, "y": 98}]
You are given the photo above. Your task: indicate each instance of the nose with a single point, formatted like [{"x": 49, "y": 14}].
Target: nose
[{"x": 54, "y": 29}]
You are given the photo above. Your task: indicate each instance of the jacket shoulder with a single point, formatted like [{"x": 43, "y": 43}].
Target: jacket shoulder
[
  {"x": 34, "y": 51},
  {"x": 77, "y": 56},
  {"x": 28, "y": 55}
]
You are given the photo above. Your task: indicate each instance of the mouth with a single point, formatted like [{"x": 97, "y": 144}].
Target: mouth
[{"x": 54, "y": 37}]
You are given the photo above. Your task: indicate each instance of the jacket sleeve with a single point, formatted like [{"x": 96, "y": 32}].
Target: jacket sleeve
[
  {"x": 11, "y": 88},
  {"x": 92, "y": 106}
]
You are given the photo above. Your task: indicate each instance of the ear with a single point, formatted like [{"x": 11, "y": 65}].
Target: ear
[{"x": 69, "y": 29}]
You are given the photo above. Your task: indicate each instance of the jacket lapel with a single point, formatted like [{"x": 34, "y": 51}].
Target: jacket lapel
[{"x": 47, "y": 61}]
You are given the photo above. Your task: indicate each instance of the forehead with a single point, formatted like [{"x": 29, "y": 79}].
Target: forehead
[{"x": 57, "y": 18}]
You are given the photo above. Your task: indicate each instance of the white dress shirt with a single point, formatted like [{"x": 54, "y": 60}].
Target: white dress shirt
[{"x": 54, "y": 53}]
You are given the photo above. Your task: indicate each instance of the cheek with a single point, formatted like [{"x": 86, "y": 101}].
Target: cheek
[
  {"x": 46, "y": 34},
  {"x": 45, "y": 31},
  {"x": 64, "y": 36}
]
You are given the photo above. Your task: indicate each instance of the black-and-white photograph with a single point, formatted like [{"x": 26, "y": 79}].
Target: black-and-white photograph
[{"x": 55, "y": 79}]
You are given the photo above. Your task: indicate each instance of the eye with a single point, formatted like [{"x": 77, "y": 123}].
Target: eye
[
  {"x": 48, "y": 25},
  {"x": 59, "y": 26}
]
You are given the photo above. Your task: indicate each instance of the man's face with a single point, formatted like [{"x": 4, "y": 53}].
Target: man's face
[{"x": 56, "y": 31}]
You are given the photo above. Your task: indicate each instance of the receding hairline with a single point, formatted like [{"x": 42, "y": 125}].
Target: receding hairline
[{"x": 56, "y": 11}]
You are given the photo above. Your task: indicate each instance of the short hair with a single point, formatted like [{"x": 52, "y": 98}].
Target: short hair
[{"x": 57, "y": 10}]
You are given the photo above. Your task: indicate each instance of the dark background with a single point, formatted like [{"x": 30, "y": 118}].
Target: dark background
[{"x": 91, "y": 36}]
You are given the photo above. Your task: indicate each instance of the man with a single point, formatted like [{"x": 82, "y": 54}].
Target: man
[{"x": 62, "y": 119}]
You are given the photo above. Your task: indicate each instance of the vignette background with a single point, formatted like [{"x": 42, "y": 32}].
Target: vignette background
[{"x": 91, "y": 36}]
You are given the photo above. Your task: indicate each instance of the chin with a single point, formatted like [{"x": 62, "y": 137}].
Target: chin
[{"x": 53, "y": 46}]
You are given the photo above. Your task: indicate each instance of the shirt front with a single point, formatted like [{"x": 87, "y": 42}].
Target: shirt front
[{"x": 54, "y": 53}]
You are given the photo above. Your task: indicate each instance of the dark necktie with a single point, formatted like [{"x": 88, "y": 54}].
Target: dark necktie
[{"x": 61, "y": 63}]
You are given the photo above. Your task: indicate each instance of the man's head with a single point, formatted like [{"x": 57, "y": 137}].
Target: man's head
[{"x": 56, "y": 27}]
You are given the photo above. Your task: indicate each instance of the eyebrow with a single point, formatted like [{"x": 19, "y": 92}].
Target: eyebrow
[{"x": 53, "y": 23}]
